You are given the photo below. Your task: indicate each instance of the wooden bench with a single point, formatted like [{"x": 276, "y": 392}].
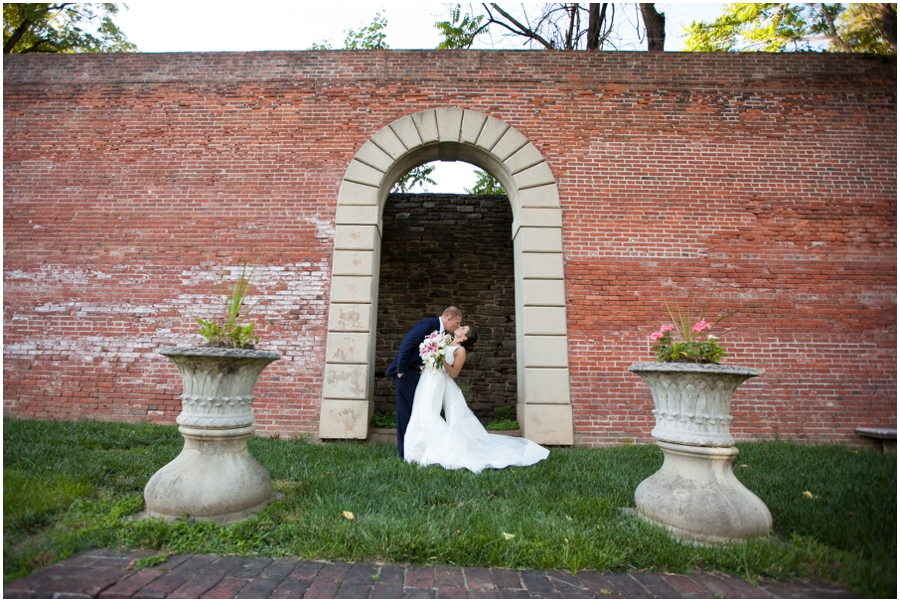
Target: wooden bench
[{"x": 888, "y": 437}]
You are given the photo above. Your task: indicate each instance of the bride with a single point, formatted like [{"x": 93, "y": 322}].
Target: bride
[{"x": 460, "y": 441}]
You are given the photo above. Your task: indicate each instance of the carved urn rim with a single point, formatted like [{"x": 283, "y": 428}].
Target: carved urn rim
[
  {"x": 223, "y": 352},
  {"x": 693, "y": 367}
]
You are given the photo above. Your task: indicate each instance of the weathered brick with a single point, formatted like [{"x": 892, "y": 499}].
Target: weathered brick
[{"x": 774, "y": 175}]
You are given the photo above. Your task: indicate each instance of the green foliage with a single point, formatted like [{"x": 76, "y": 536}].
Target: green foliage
[
  {"x": 698, "y": 351},
  {"x": 384, "y": 420},
  {"x": 774, "y": 27},
  {"x": 368, "y": 37},
  {"x": 564, "y": 512},
  {"x": 486, "y": 184},
  {"x": 505, "y": 413},
  {"x": 421, "y": 176},
  {"x": 62, "y": 27},
  {"x": 417, "y": 176},
  {"x": 504, "y": 420},
  {"x": 863, "y": 28},
  {"x": 502, "y": 425},
  {"x": 687, "y": 338},
  {"x": 460, "y": 31},
  {"x": 148, "y": 561},
  {"x": 229, "y": 329},
  {"x": 31, "y": 501}
]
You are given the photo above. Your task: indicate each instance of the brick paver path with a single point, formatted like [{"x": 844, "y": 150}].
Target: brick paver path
[{"x": 108, "y": 574}]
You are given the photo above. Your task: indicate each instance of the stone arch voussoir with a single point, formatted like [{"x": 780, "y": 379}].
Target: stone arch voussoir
[{"x": 449, "y": 134}]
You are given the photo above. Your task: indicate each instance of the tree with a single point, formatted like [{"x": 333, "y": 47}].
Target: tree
[
  {"x": 870, "y": 28},
  {"x": 63, "y": 28},
  {"x": 772, "y": 27},
  {"x": 560, "y": 26},
  {"x": 461, "y": 30},
  {"x": 369, "y": 37},
  {"x": 417, "y": 176},
  {"x": 486, "y": 184},
  {"x": 655, "y": 23},
  {"x": 565, "y": 26}
]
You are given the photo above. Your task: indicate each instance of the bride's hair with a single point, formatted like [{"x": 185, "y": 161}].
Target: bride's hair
[{"x": 471, "y": 337}]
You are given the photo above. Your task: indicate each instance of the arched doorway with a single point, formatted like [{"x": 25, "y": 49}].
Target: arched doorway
[{"x": 449, "y": 134}]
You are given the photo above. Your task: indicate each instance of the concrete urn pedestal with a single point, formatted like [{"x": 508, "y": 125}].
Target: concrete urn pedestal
[
  {"x": 695, "y": 494},
  {"x": 214, "y": 478}
]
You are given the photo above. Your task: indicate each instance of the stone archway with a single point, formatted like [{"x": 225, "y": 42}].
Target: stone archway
[{"x": 449, "y": 134}]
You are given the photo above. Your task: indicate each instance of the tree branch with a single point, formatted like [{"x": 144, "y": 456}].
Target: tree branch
[
  {"x": 888, "y": 14},
  {"x": 832, "y": 31},
  {"x": 20, "y": 31},
  {"x": 522, "y": 30},
  {"x": 572, "y": 14}
]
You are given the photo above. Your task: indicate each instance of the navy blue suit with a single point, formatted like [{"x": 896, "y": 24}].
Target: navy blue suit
[{"x": 410, "y": 364}]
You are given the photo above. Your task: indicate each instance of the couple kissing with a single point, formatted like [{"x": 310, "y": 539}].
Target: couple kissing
[{"x": 458, "y": 440}]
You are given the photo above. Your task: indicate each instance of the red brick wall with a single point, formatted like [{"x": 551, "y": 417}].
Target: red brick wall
[{"x": 126, "y": 176}]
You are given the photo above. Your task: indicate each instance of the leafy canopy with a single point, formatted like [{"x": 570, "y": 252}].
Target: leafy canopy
[
  {"x": 417, "y": 176},
  {"x": 62, "y": 28},
  {"x": 368, "y": 37},
  {"x": 461, "y": 30},
  {"x": 485, "y": 184},
  {"x": 773, "y": 27}
]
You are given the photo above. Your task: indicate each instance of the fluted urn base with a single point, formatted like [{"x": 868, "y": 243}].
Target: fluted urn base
[
  {"x": 696, "y": 497},
  {"x": 214, "y": 478},
  {"x": 695, "y": 494}
]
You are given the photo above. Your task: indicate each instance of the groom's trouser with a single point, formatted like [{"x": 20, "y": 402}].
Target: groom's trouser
[{"x": 406, "y": 391}]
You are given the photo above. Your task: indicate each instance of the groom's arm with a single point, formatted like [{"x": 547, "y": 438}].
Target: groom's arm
[{"x": 410, "y": 346}]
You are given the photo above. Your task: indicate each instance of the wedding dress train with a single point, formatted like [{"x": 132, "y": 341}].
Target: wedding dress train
[{"x": 461, "y": 441}]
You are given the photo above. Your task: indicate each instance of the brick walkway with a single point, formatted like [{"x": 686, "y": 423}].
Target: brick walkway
[{"x": 106, "y": 574}]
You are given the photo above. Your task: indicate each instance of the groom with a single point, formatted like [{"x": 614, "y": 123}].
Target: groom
[{"x": 407, "y": 366}]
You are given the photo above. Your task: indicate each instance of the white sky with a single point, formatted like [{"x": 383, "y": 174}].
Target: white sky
[{"x": 229, "y": 26}]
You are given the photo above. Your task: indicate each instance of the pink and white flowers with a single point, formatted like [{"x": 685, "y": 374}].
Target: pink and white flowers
[
  {"x": 694, "y": 346},
  {"x": 432, "y": 349},
  {"x": 700, "y": 326},
  {"x": 686, "y": 339}
]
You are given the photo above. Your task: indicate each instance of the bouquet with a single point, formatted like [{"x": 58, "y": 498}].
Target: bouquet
[{"x": 432, "y": 349}]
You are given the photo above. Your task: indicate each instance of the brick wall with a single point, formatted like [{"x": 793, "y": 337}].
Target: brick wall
[{"x": 127, "y": 176}]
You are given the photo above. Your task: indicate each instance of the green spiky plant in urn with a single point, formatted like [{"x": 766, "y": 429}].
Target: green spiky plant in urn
[
  {"x": 215, "y": 478},
  {"x": 229, "y": 330}
]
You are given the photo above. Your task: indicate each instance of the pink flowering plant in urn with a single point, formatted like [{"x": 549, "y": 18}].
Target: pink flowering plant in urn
[
  {"x": 692, "y": 395},
  {"x": 686, "y": 338}
]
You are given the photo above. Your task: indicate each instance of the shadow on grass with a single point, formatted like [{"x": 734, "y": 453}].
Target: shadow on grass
[{"x": 71, "y": 486}]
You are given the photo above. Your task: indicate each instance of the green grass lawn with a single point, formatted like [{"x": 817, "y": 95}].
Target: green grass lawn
[{"x": 71, "y": 486}]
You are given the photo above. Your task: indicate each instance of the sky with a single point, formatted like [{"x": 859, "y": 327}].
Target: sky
[{"x": 230, "y": 26}]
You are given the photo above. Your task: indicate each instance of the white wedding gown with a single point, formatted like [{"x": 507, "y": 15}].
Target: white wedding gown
[{"x": 460, "y": 441}]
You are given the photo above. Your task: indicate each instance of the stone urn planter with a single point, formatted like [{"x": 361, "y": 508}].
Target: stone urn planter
[
  {"x": 695, "y": 494},
  {"x": 214, "y": 478}
]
